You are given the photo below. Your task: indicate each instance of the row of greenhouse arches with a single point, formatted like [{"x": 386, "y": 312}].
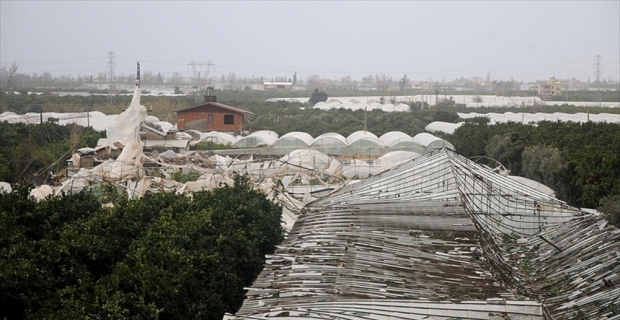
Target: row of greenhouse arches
[{"x": 356, "y": 140}]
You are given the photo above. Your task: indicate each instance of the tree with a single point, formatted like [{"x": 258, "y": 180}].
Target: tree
[
  {"x": 9, "y": 73},
  {"x": 232, "y": 80},
  {"x": 164, "y": 255},
  {"x": 541, "y": 163},
  {"x": 403, "y": 83},
  {"x": 295, "y": 78},
  {"x": 176, "y": 79},
  {"x": 317, "y": 96},
  {"x": 446, "y": 116},
  {"x": 610, "y": 207},
  {"x": 313, "y": 81}
]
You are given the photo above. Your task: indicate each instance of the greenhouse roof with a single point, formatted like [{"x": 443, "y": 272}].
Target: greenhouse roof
[
  {"x": 439, "y": 237},
  {"x": 264, "y": 133},
  {"x": 219, "y": 137},
  {"x": 425, "y": 139},
  {"x": 306, "y": 158},
  {"x": 255, "y": 139},
  {"x": 398, "y": 156},
  {"x": 330, "y": 139},
  {"x": 294, "y": 138},
  {"x": 445, "y": 127},
  {"x": 393, "y": 136},
  {"x": 364, "y": 139},
  {"x": 360, "y": 134}
]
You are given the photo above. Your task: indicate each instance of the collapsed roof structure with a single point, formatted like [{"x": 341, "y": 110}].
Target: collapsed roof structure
[
  {"x": 436, "y": 237},
  {"x": 440, "y": 237}
]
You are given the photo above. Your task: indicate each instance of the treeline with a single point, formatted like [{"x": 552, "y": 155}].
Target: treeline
[
  {"x": 283, "y": 117},
  {"x": 30, "y": 152},
  {"x": 164, "y": 256},
  {"x": 580, "y": 161}
]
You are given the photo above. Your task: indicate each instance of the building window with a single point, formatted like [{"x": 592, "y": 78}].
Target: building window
[
  {"x": 229, "y": 119},
  {"x": 210, "y": 119}
]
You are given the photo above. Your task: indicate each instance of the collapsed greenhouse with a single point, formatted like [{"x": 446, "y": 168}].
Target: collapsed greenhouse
[
  {"x": 427, "y": 234},
  {"x": 440, "y": 237}
]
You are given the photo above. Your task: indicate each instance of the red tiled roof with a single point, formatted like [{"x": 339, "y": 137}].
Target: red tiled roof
[{"x": 217, "y": 105}]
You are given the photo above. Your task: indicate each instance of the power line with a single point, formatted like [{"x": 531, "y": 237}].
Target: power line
[
  {"x": 598, "y": 65},
  {"x": 111, "y": 77},
  {"x": 50, "y": 61},
  {"x": 201, "y": 73}
]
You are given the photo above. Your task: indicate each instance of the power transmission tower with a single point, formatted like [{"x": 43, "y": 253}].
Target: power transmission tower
[
  {"x": 111, "y": 77},
  {"x": 598, "y": 65},
  {"x": 201, "y": 73}
]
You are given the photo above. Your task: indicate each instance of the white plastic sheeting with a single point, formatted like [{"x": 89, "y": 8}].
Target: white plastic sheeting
[
  {"x": 95, "y": 119},
  {"x": 539, "y": 116},
  {"x": 41, "y": 192},
  {"x": 255, "y": 139},
  {"x": 5, "y": 187},
  {"x": 330, "y": 139},
  {"x": 364, "y": 139},
  {"x": 431, "y": 142},
  {"x": 126, "y": 130},
  {"x": 534, "y": 184},
  {"x": 359, "y": 169},
  {"x": 294, "y": 140},
  {"x": 392, "y": 138},
  {"x": 359, "y": 140},
  {"x": 304, "y": 159},
  {"x": 391, "y": 159},
  {"x": 219, "y": 137},
  {"x": 445, "y": 127}
]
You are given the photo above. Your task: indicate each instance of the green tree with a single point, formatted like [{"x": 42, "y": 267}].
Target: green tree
[
  {"x": 163, "y": 256},
  {"x": 541, "y": 163},
  {"x": 507, "y": 148},
  {"x": 610, "y": 207},
  {"x": 403, "y": 83},
  {"x": 317, "y": 96},
  {"x": 446, "y": 116}
]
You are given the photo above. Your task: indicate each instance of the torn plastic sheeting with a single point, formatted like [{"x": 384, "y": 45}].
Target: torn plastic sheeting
[{"x": 5, "y": 187}]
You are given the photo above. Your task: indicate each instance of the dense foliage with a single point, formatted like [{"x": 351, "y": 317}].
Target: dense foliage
[
  {"x": 283, "y": 117},
  {"x": 210, "y": 145},
  {"x": 31, "y": 151},
  {"x": 164, "y": 256},
  {"x": 580, "y": 161},
  {"x": 317, "y": 96}
]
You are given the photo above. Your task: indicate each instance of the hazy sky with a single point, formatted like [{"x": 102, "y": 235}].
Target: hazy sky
[{"x": 425, "y": 40}]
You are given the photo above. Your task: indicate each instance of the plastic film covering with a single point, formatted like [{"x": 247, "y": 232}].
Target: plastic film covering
[
  {"x": 364, "y": 140},
  {"x": 126, "y": 131},
  {"x": 430, "y": 141},
  {"x": 294, "y": 140},
  {"x": 330, "y": 139},
  {"x": 445, "y": 127},
  {"x": 219, "y": 137},
  {"x": 440, "y": 237},
  {"x": 255, "y": 139}
]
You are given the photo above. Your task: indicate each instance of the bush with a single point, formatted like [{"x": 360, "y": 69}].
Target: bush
[
  {"x": 210, "y": 145},
  {"x": 164, "y": 255},
  {"x": 317, "y": 96},
  {"x": 610, "y": 207}
]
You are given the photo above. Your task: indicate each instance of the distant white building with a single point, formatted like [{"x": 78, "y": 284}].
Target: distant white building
[{"x": 271, "y": 85}]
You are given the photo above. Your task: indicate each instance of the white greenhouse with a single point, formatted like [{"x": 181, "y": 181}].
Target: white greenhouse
[
  {"x": 429, "y": 141},
  {"x": 364, "y": 140},
  {"x": 256, "y": 139},
  {"x": 329, "y": 140},
  {"x": 294, "y": 139}
]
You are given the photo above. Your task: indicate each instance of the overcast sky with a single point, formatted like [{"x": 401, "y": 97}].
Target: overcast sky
[{"x": 425, "y": 40}]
